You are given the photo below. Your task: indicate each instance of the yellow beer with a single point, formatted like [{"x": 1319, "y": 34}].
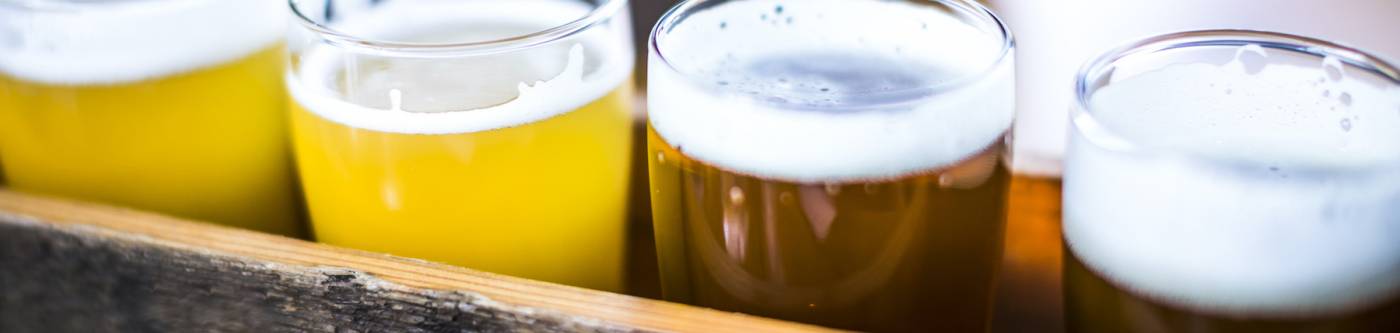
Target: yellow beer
[
  {"x": 194, "y": 131},
  {"x": 514, "y": 163}
]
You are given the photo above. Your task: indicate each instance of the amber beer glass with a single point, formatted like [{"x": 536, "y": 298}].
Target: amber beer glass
[
  {"x": 166, "y": 105},
  {"x": 488, "y": 134},
  {"x": 832, "y": 162},
  {"x": 1234, "y": 181}
]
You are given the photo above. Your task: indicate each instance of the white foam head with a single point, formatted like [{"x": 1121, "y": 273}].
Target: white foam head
[
  {"x": 830, "y": 91},
  {"x": 1256, "y": 192},
  {"x": 404, "y": 93},
  {"x": 70, "y": 42}
]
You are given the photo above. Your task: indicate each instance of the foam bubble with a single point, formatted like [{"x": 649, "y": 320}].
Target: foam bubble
[
  {"x": 1265, "y": 207},
  {"x": 817, "y": 91},
  {"x": 108, "y": 43},
  {"x": 404, "y": 94}
]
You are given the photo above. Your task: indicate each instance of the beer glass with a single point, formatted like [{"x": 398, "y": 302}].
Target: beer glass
[
  {"x": 1234, "y": 181},
  {"x": 832, "y": 162},
  {"x": 493, "y": 135},
  {"x": 171, "y": 106}
]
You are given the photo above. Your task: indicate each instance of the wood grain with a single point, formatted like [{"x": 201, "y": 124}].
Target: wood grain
[
  {"x": 69, "y": 266},
  {"x": 77, "y": 267}
]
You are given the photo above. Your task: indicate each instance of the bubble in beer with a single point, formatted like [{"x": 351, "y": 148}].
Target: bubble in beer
[
  {"x": 736, "y": 195},
  {"x": 1275, "y": 140},
  {"x": 946, "y": 180},
  {"x": 803, "y": 79},
  {"x": 833, "y": 189},
  {"x": 820, "y": 96},
  {"x": 1333, "y": 67},
  {"x": 580, "y": 70},
  {"x": 1252, "y": 57}
]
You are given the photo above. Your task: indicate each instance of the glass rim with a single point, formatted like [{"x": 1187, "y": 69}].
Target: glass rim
[
  {"x": 603, "y": 11},
  {"x": 1082, "y": 114},
  {"x": 977, "y": 10}
]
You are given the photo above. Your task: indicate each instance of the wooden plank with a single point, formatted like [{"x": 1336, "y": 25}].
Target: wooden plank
[{"x": 71, "y": 266}]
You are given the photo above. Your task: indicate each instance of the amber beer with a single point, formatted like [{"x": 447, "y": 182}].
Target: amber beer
[
  {"x": 812, "y": 164},
  {"x": 487, "y": 134},
  {"x": 1030, "y": 285},
  {"x": 170, "y": 106},
  {"x": 1234, "y": 181}
]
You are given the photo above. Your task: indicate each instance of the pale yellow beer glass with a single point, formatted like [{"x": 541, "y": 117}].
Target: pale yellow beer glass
[
  {"x": 171, "y": 106},
  {"x": 488, "y": 134}
]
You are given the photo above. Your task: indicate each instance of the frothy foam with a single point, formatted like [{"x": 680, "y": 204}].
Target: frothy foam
[
  {"x": 818, "y": 91},
  {"x": 1295, "y": 216},
  {"x": 108, "y": 43},
  {"x": 403, "y": 94}
]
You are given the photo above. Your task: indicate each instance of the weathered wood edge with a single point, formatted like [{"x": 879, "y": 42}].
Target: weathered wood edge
[{"x": 73, "y": 266}]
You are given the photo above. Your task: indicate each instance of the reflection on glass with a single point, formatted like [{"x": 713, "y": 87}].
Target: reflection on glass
[
  {"x": 811, "y": 162},
  {"x": 488, "y": 134},
  {"x": 1234, "y": 181},
  {"x": 171, "y": 106}
]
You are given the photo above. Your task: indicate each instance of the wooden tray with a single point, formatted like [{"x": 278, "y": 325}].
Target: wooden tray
[{"x": 73, "y": 266}]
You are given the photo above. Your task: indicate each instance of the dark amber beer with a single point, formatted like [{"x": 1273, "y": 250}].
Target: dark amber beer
[
  {"x": 1234, "y": 181},
  {"x": 811, "y": 162}
]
